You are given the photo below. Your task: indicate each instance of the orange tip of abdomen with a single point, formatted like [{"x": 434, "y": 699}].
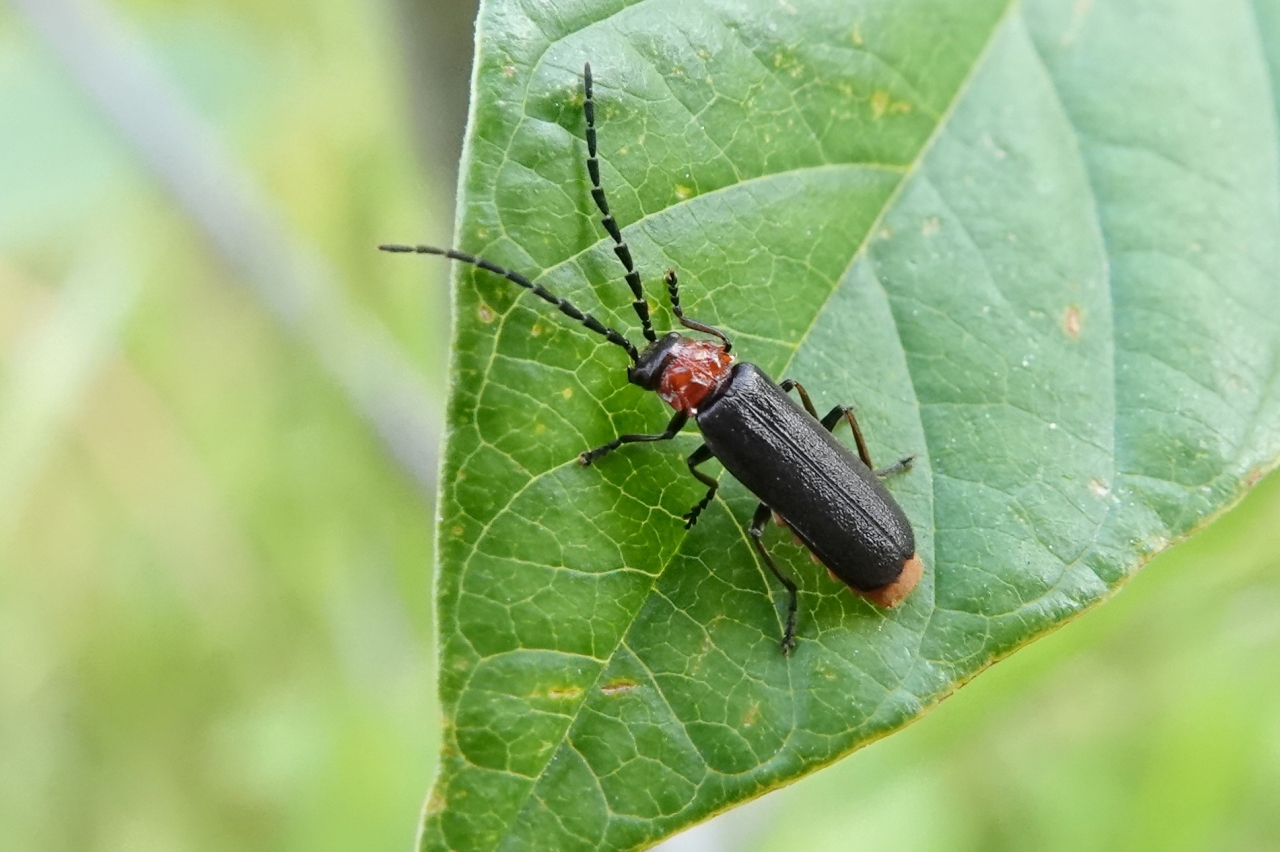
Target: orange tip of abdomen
[{"x": 891, "y": 595}]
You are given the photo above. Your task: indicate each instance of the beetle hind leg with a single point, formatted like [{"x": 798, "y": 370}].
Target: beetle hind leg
[
  {"x": 763, "y": 513},
  {"x": 700, "y": 456}
]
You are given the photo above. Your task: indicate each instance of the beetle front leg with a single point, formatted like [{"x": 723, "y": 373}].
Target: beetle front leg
[
  {"x": 673, "y": 428},
  {"x": 763, "y": 513},
  {"x": 700, "y": 456}
]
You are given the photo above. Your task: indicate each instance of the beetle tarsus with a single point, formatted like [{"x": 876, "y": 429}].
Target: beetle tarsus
[
  {"x": 691, "y": 517},
  {"x": 902, "y": 465}
]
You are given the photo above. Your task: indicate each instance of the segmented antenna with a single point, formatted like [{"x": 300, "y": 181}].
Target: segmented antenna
[
  {"x": 610, "y": 224},
  {"x": 566, "y": 307},
  {"x": 673, "y": 290}
]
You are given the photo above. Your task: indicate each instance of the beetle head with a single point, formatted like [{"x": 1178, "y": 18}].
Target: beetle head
[
  {"x": 682, "y": 370},
  {"x": 648, "y": 368}
]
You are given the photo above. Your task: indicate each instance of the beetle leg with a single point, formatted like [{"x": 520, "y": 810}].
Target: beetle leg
[
  {"x": 673, "y": 428},
  {"x": 833, "y": 419},
  {"x": 700, "y": 455},
  {"x": 902, "y": 465},
  {"x": 788, "y": 384},
  {"x": 846, "y": 411},
  {"x": 763, "y": 513}
]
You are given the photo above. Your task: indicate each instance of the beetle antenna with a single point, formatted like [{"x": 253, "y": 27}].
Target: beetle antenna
[
  {"x": 610, "y": 224},
  {"x": 673, "y": 290},
  {"x": 566, "y": 307}
]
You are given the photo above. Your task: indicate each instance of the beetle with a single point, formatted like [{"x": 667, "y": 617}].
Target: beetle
[{"x": 832, "y": 500}]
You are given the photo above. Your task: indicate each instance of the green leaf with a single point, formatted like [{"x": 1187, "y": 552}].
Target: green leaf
[{"x": 1036, "y": 243}]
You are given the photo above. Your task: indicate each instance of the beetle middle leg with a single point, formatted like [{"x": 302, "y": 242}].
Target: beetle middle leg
[
  {"x": 833, "y": 419},
  {"x": 788, "y": 385},
  {"x": 762, "y": 516},
  {"x": 673, "y": 428}
]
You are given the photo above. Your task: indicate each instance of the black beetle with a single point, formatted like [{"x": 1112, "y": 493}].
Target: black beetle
[{"x": 831, "y": 500}]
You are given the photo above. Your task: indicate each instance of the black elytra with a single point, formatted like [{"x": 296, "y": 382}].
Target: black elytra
[{"x": 831, "y": 499}]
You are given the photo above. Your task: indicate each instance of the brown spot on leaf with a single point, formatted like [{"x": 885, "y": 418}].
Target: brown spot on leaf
[
  {"x": 879, "y": 103},
  {"x": 1072, "y": 322},
  {"x": 436, "y": 803},
  {"x": 618, "y": 687}
]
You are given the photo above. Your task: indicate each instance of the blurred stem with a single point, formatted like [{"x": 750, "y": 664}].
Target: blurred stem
[
  {"x": 50, "y": 370},
  {"x": 299, "y": 289},
  {"x": 437, "y": 43}
]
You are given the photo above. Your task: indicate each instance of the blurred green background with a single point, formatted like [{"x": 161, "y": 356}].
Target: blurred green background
[{"x": 218, "y": 409}]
